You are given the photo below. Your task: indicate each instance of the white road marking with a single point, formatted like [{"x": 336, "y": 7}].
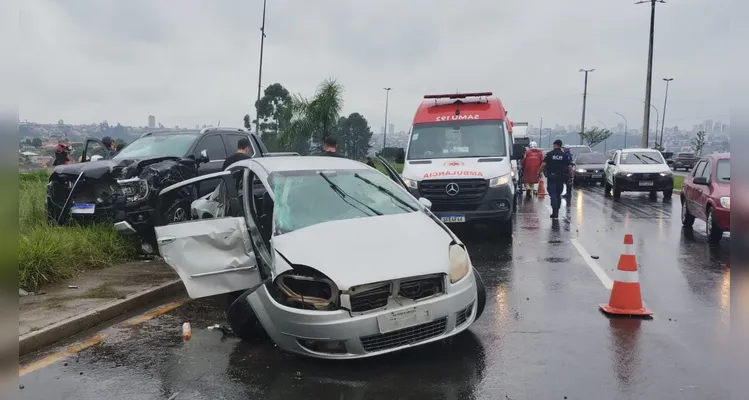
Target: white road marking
[{"x": 607, "y": 282}]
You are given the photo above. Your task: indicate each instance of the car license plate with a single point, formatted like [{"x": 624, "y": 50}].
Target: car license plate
[
  {"x": 451, "y": 219},
  {"x": 83, "y": 208},
  {"x": 401, "y": 319},
  {"x": 599, "y": 176},
  {"x": 646, "y": 183}
]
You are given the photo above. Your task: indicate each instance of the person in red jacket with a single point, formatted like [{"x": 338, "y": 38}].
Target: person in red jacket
[{"x": 531, "y": 164}]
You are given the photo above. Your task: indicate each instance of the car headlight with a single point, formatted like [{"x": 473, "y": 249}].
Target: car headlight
[
  {"x": 307, "y": 292},
  {"x": 459, "y": 263},
  {"x": 500, "y": 180},
  {"x": 134, "y": 189},
  {"x": 627, "y": 174},
  {"x": 411, "y": 183},
  {"x": 725, "y": 202},
  {"x": 667, "y": 173},
  {"x": 581, "y": 170}
]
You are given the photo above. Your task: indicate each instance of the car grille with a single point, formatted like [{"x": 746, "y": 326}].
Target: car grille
[
  {"x": 462, "y": 316},
  {"x": 406, "y": 336},
  {"x": 646, "y": 176},
  {"x": 468, "y": 189},
  {"x": 371, "y": 298},
  {"x": 422, "y": 287}
]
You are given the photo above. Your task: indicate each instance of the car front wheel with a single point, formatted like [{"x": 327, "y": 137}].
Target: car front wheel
[
  {"x": 714, "y": 233},
  {"x": 242, "y": 319},
  {"x": 617, "y": 190},
  {"x": 668, "y": 193},
  {"x": 480, "y": 294}
]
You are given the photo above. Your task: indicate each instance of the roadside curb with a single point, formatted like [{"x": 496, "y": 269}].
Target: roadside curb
[{"x": 64, "y": 329}]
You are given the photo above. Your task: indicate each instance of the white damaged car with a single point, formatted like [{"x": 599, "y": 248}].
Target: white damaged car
[{"x": 329, "y": 257}]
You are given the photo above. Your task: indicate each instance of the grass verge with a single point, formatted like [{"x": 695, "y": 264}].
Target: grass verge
[
  {"x": 678, "y": 182},
  {"x": 49, "y": 254}
]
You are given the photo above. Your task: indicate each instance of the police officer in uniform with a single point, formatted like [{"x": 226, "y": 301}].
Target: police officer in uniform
[{"x": 556, "y": 165}]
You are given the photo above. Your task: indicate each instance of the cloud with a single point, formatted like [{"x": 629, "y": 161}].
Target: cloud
[{"x": 194, "y": 62}]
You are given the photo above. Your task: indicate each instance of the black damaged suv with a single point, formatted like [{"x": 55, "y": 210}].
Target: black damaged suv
[{"x": 123, "y": 189}]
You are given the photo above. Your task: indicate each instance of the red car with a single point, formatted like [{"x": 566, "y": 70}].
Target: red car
[{"x": 706, "y": 195}]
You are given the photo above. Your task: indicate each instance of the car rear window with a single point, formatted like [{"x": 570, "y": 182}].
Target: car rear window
[
  {"x": 591, "y": 158},
  {"x": 686, "y": 155},
  {"x": 723, "y": 171}
]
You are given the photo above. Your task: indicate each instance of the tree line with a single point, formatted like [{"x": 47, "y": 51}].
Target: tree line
[{"x": 291, "y": 122}]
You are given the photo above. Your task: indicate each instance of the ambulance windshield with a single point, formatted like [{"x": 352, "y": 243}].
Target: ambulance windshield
[{"x": 458, "y": 139}]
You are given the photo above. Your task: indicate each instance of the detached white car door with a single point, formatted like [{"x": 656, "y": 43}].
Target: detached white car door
[{"x": 212, "y": 256}]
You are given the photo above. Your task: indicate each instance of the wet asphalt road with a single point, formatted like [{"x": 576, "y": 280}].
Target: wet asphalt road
[{"x": 541, "y": 336}]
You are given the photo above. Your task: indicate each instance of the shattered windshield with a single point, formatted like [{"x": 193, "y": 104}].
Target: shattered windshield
[
  {"x": 305, "y": 198},
  {"x": 173, "y": 145}
]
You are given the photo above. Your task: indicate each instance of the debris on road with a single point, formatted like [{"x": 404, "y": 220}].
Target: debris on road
[
  {"x": 595, "y": 257},
  {"x": 22, "y": 292},
  {"x": 186, "y": 331},
  {"x": 72, "y": 287}
]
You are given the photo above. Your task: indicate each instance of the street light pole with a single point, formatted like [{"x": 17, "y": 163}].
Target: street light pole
[
  {"x": 649, "y": 80},
  {"x": 260, "y": 73},
  {"x": 663, "y": 120},
  {"x": 625, "y": 128},
  {"x": 385, "y": 132},
  {"x": 585, "y": 98}
]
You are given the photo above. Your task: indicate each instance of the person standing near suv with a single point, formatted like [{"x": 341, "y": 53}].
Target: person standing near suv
[
  {"x": 555, "y": 164},
  {"x": 243, "y": 149}
]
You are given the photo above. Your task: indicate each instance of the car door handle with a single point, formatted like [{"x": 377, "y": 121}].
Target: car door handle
[{"x": 167, "y": 240}]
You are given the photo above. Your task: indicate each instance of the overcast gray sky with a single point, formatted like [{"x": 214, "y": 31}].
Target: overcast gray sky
[{"x": 196, "y": 62}]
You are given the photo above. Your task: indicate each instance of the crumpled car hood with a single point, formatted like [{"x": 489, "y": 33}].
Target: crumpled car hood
[
  {"x": 116, "y": 169},
  {"x": 371, "y": 249}
]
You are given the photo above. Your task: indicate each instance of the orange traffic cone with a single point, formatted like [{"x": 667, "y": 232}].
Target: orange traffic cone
[
  {"x": 626, "y": 298},
  {"x": 541, "y": 189}
]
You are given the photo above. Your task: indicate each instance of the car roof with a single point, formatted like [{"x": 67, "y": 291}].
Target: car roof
[
  {"x": 720, "y": 156},
  {"x": 482, "y": 106},
  {"x": 302, "y": 163}
]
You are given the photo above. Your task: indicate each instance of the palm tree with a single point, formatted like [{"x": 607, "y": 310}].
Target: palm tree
[{"x": 314, "y": 118}]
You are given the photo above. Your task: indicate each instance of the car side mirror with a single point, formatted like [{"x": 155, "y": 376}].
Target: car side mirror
[
  {"x": 96, "y": 158},
  {"x": 700, "y": 180},
  {"x": 611, "y": 162},
  {"x": 425, "y": 202},
  {"x": 203, "y": 157}
]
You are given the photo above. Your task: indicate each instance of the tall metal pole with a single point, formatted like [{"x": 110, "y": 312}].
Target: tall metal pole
[
  {"x": 385, "y": 133},
  {"x": 585, "y": 99},
  {"x": 657, "y": 119},
  {"x": 260, "y": 73},
  {"x": 540, "y": 131},
  {"x": 663, "y": 120},
  {"x": 649, "y": 80},
  {"x": 625, "y": 128}
]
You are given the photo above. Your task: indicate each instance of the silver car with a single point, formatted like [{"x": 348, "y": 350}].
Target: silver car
[{"x": 327, "y": 256}]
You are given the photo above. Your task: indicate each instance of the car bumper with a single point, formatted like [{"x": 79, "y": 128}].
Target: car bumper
[
  {"x": 633, "y": 184},
  {"x": 359, "y": 336},
  {"x": 722, "y": 218},
  {"x": 589, "y": 176},
  {"x": 495, "y": 204}
]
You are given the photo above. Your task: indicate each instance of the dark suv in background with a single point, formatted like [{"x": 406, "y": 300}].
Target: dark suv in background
[
  {"x": 683, "y": 160},
  {"x": 123, "y": 189}
]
